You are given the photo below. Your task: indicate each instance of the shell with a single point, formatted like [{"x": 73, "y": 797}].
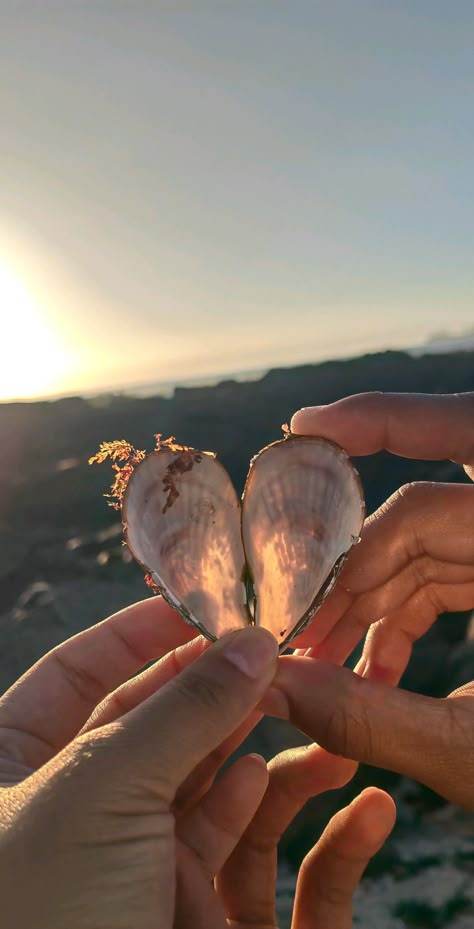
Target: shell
[
  {"x": 303, "y": 509},
  {"x": 271, "y": 562},
  {"x": 181, "y": 520}
]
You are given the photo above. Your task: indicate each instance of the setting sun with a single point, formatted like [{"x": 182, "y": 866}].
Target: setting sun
[{"x": 32, "y": 360}]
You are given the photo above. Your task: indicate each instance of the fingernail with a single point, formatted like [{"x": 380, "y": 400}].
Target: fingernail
[
  {"x": 251, "y": 651},
  {"x": 303, "y": 418},
  {"x": 275, "y": 703},
  {"x": 360, "y": 666}
]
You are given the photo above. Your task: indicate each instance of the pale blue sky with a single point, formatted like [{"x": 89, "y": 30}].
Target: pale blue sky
[{"x": 201, "y": 186}]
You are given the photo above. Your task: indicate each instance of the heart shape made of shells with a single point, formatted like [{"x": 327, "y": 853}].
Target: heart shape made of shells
[{"x": 270, "y": 561}]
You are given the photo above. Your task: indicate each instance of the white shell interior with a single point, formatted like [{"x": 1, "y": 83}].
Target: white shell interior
[
  {"x": 194, "y": 549},
  {"x": 303, "y": 509}
]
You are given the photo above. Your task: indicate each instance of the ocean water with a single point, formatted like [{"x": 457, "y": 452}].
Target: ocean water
[
  {"x": 437, "y": 345},
  {"x": 167, "y": 388},
  {"x": 444, "y": 343}
]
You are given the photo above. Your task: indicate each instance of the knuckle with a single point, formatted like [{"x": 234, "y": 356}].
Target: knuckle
[
  {"x": 336, "y": 896},
  {"x": 88, "y": 687},
  {"x": 89, "y": 746},
  {"x": 337, "y": 734},
  {"x": 407, "y": 510},
  {"x": 405, "y": 494},
  {"x": 413, "y": 492},
  {"x": 434, "y": 593},
  {"x": 416, "y": 492},
  {"x": 368, "y": 397},
  {"x": 422, "y": 570},
  {"x": 348, "y": 733},
  {"x": 334, "y": 734},
  {"x": 401, "y": 500},
  {"x": 79, "y": 764},
  {"x": 261, "y": 842},
  {"x": 194, "y": 687},
  {"x": 461, "y": 728}
]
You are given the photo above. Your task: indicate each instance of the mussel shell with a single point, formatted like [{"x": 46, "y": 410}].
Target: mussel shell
[
  {"x": 302, "y": 510},
  {"x": 181, "y": 520}
]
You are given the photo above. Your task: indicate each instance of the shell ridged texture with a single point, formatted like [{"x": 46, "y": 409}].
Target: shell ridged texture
[
  {"x": 192, "y": 547},
  {"x": 302, "y": 510}
]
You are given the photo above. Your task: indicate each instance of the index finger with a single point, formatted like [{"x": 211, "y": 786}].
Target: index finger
[
  {"x": 246, "y": 883},
  {"x": 427, "y": 426},
  {"x": 331, "y": 872},
  {"x": 51, "y": 702}
]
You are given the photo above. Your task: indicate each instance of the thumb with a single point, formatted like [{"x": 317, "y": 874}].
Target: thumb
[
  {"x": 162, "y": 740},
  {"x": 418, "y": 736}
]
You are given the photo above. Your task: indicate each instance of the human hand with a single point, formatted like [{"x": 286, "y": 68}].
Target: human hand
[
  {"x": 415, "y": 560},
  {"x": 103, "y": 817},
  {"x": 331, "y": 871}
]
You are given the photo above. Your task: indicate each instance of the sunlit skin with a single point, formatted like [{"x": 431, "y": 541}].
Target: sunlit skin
[
  {"x": 32, "y": 360},
  {"x": 117, "y": 791}
]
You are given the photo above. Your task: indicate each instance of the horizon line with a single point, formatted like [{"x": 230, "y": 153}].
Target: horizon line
[{"x": 147, "y": 388}]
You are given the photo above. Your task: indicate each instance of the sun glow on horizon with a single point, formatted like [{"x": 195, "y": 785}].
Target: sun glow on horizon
[{"x": 32, "y": 360}]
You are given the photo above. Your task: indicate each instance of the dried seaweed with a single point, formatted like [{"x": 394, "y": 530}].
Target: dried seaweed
[{"x": 129, "y": 457}]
